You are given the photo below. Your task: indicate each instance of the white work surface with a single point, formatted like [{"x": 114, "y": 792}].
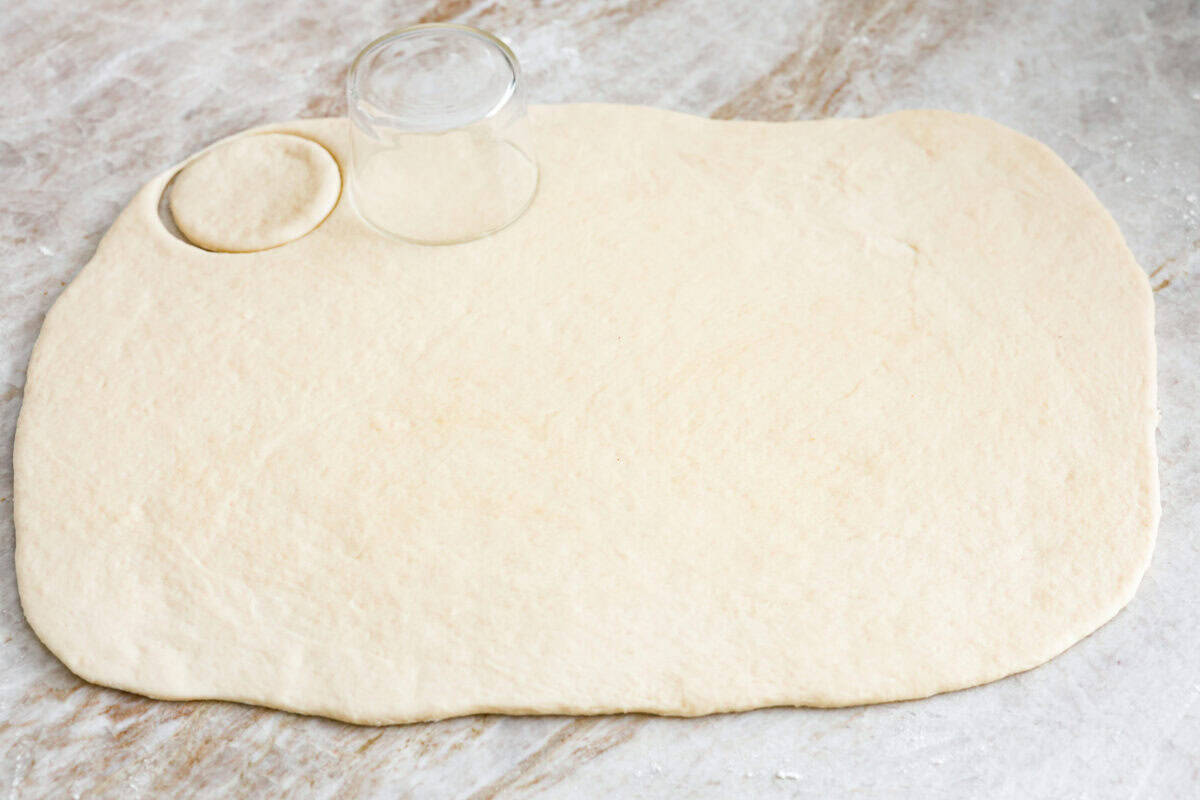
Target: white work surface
[{"x": 99, "y": 97}]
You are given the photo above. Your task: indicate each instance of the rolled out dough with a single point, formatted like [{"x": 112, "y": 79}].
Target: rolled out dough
[{"x": 738, "y": 414}]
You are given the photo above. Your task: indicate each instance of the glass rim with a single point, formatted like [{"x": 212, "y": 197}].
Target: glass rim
[{"x": 354, "y": 95}]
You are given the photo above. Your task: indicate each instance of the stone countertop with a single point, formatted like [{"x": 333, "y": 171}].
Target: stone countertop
[{"x": 100, "y": 96}]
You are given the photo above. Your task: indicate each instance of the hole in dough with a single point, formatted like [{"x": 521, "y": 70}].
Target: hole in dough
[{"x": 164, "y": 212}]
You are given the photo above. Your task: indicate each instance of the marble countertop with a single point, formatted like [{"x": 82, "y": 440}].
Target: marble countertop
[{"x": 100, "y": 96}]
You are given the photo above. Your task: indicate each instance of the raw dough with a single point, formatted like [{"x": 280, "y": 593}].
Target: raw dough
[
  {"x": 738, "y": 414},
  {"x": 254, "y": 192}
]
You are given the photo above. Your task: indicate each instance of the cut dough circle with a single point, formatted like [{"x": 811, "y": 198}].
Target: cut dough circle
[
  {"x": 254, "y": 192},
  {"x": 737, "y": 414}
]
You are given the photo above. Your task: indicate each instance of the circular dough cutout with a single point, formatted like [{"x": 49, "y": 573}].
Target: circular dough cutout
[{"x": 255, "y": 192}]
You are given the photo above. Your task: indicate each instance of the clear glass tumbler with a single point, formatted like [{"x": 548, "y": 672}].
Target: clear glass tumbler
[{"x": 440, "y": 143}]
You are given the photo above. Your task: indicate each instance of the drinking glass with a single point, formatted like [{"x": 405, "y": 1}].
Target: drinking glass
[{"x": 440, "y": 143}]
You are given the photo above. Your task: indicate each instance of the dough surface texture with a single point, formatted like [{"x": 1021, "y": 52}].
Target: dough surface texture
[
  {"x": 254, "y": 192},
  {"x": 738, "y": 414}
]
